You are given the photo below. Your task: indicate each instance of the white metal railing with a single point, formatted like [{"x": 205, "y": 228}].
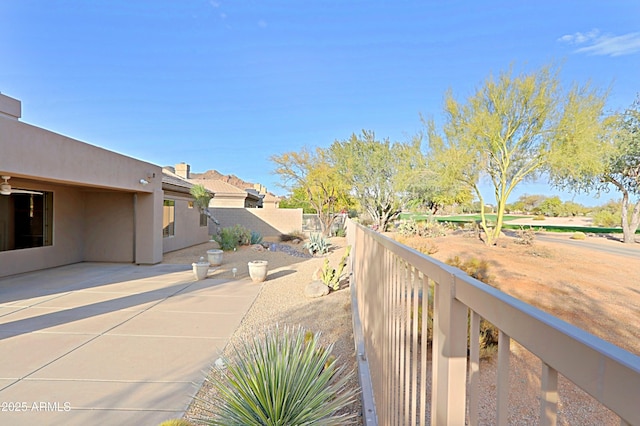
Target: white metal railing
[{"x": 396, "y": 290}]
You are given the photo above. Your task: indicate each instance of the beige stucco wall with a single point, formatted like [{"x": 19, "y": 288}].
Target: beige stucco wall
[
  {"x": 89, "y": 223},
  {"x": 269, "y": 222},
  {"x": 108, "y": 229},
  {"x": 188, "y": 231}
]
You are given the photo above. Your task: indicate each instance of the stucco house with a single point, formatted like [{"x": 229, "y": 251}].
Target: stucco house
[{"x": 64, "y": 201}]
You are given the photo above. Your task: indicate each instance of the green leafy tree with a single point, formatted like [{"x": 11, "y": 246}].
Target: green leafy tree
[
  {"x": 311, "y": 175},
  {"x": 378, "y": 173},
  {"x": 507, "y": 131},
  {"x": 297, "y": 199},
  {"x": 617, "y": 165},
  {"x": 551, "y": 206},
  {"x": 427, "y": 191}
]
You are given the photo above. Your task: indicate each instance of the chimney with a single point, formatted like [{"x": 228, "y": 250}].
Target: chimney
[
  {"x": 10, "y": 108},
  {"x": 182, "y": 170},
  {"x": 260, "y": 188}
]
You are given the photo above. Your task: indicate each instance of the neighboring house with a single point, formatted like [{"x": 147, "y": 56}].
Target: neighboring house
[
  {"x": 67, "y": 201},
  {"x": 270, "y": 201},
  {"x": 232, "y": 206},
  {"x": 227, "y": 195}
]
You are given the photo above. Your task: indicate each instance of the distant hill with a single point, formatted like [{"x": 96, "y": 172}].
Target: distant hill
[{"x": 230, "y": 179}]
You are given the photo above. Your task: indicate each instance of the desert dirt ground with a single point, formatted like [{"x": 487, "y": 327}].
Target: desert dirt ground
[{"x": 596, "y": 291}]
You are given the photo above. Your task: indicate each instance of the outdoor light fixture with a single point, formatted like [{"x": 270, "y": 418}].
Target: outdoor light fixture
[{"x": 144, "y": 181}]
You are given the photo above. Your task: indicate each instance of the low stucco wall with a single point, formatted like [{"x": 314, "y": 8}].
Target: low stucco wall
[{"x": 268, "y": 222}]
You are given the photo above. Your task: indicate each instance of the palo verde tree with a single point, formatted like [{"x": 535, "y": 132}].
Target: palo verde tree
[
  {"x": 507, "y": 130},
  {"x": 314, "y": 181},
  {"x": 617, "y": 164},
  {"x": 428, "y": 191},
  {"x": 377, "y": 172}
]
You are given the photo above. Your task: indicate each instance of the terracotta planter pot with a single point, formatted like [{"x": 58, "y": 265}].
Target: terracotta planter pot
[
  {"x": 258, "y": 270},
  {"x": 215, "y": 257}
]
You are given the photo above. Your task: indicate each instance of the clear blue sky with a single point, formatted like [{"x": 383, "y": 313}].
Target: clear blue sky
[{"x": 225, "y": 84}]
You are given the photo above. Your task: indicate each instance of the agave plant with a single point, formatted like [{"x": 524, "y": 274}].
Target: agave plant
[
  {"x": 285, "y": 378},
  {"x": 317, "y": 244}
]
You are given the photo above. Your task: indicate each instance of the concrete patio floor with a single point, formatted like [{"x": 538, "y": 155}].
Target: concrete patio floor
[{"x": 96, "y": 343}]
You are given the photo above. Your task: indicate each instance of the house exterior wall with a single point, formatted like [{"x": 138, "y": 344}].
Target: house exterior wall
[
  {"x": 188, "y": 231},
  {"x": 269, "y": 222},
  {"x": 100, "y": 206},
  {"x": 108, "y": 228},
  {"x": 68, "y": 238}
]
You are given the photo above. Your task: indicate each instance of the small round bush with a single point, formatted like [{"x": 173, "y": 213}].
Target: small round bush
[{"x": 578, "y": 236}]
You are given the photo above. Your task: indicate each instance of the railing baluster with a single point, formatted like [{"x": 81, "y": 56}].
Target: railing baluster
[
  {"x": 397, "y": 354},
  {"x": 423, "y": 352},
  {"x": 474, "y": 369},
  {"x": 548, "y": 396},
  {"x": 435, "y": 344},
  {"x": 406, "y": 342},
  {"x": 504, "y": 354},
  {"x": 389, "y": 338},
  {"x": 415, "y": 319}
]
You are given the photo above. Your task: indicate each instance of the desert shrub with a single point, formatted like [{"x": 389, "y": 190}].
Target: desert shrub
[
  {"x": 291, "y": 236},
  {"x": 426, "y": 228},
  {"x": 256, "y": 237},
  {"x": 578, "y": 236},
  {"x": 525, "y": 236},
  {"x": 317, "y": 245},
  {"x": 539, "y": 217},
  {"x": 407, "y": 227},
  {"x": 488, "y": 338},
  {"x": 233, "y": 236},
  {"x": 423, "y": 245},
  {"x": 607, "y": 219},
  {"x": 341, "y": 232},
  {"x": 474, "y": 267},
  {"x": 283, "y": 378}
]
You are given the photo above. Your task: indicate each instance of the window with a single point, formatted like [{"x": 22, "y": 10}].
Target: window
[
  {"x": 190, "y": 204},
  {"x": 203, "y": 220},
  {"x": 26, "y": 220},
  {"x": 168, "y": 218}
]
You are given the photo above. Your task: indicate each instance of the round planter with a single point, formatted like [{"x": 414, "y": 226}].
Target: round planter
[
  {"x": 200, "y": 270},
  {"x": 258, "y": 270},
  {"x": 215, "y": 257}
]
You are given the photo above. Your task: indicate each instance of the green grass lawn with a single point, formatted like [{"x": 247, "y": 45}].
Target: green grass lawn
[
  {"x": 457, "y": 218},
  {"x": 491, "y": 218}
]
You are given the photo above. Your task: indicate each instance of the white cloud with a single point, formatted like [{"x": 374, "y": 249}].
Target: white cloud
[
  {"x": 579, "y": 38},
  {"x": 594, "y": 43}
]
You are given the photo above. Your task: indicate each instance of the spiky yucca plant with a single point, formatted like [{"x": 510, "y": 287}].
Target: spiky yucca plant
[{"x": 283, "y": 379}]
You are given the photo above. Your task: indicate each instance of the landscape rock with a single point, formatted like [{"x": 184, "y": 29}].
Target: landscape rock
[{"x": 316, "y": 289}]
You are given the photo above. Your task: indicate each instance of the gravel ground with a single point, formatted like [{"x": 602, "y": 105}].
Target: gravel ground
[{"x": 281, "y": 300}]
